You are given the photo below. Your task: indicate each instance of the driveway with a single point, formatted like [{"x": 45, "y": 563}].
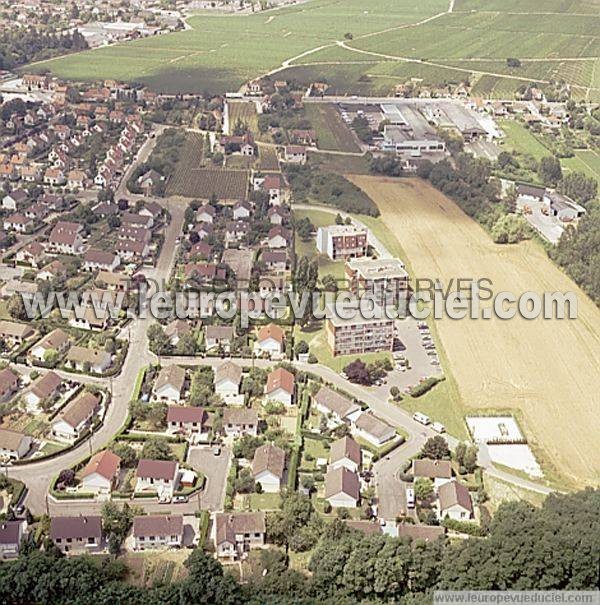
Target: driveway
[{"x": 215, "y": 468}]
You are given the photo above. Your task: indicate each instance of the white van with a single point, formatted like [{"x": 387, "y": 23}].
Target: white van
[
  {"x": 438, "y": 427},
  {"x": 410, "y": 497},
  {"x": 421, "y": 418}
]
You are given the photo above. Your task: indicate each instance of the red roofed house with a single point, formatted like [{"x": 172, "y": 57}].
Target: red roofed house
[
  {"x": 271, "y": 340},
  {"x": 280, "y": 386},
  {"x": 295, "y": 154},
  {"x": 101, "y": 473}
]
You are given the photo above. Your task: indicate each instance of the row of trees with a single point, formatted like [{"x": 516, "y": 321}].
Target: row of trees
[{"x": 555, "y": 547}]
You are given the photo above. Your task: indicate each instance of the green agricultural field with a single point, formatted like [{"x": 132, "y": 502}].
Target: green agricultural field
[
  {"x": 221, "y": 52},
  {"x": 519, "y": 139},
  {"x": 586, "y": 161},
  {"x": 384, "y": 41}
]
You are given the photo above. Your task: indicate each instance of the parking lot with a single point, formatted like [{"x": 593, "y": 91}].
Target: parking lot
[
  {"x": 420, "y": 361},
  {"x": 215, "y": 469}
]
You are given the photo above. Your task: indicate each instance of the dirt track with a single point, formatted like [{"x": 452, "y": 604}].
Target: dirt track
[{"x": 549, "y": 369}]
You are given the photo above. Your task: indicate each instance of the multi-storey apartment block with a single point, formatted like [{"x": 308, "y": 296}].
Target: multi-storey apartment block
[{"x": 341, "y": 242}]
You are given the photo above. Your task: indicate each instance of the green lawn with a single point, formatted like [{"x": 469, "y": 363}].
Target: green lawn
[
  {"x": 317, "y": 341},
  {"x": 309, "y": 247},
  {"x": 264, "y": 501},
  {"x": 519, "y": 139}
]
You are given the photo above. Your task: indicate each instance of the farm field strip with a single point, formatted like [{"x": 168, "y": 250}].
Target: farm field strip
[
  {"x": 519, "y": 139},
  {"x": 547, "y": 371},
  {"x": 332, "y": 132}
]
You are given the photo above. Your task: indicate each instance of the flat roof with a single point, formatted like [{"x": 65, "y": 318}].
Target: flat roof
[{"x": 376, "y": 268}]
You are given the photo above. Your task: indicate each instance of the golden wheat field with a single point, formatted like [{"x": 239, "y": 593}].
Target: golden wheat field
[{"x": 548, "y": 369}]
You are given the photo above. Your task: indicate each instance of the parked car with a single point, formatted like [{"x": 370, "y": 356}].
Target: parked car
[
  {"x": 421, "y": 418},
  {"x": 438, "y": 427},
  {"x": 180, "y": 499}
]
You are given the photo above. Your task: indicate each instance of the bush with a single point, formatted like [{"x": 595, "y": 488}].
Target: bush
[
  {"x": 326, "y": 508},
  {"x": 425, "y": 386}
]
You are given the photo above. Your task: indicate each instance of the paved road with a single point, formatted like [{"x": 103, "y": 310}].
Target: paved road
[
  {"x": 215, "y": 468},
  {"x": 141, "y": 156}
]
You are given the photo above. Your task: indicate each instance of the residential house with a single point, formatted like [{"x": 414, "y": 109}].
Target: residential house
[
  {"x": 218, "y": 336},
  {"x": 454, "y": 501},
  {"x": 295, "y": 154},
  {"x": 137, "y": 220},
  {"x": 53, "y": 269},
  {"x": 336, "y": 406},
  {"x": 86, "y": 318},
  {"x": 65, "y": 238},
  {"x": 55, "y": 177},
  {"x": 14, "y": 199},
  {"x": 43, "y": 388},
  {"x": 76, "y": 417},
  {"x": 77, "y": 534},
  {"x": 273, "y": 187},
  {"x": 32, "y": 254},
  {"x": 14, "y": 333},
  {"x": 149, "y": 180},
  {"x": 277, "y": 215},
  {"x": 76, "y": 179},
  {"x": 342, "y": 488},
  {"x": 280, "y": 386},
  {"x": 170, "y": 383},
  {"x": 158, "y": 476},
  {"x": 373, "y": 429},
  {"x": 304, "y": 137},
  {"x": 268, "y": 466},
  {"x": 57, "y": 340},
  {"x": 14, "y": 445},
  {"x": 18, "y": 222},
  {"x": 206, "y": 214},
  {"x": 11, "y": 535},
  {"x": 186, "y": 419},
  {"x": 235, "y": 231},
  {"x": 235, "y": 534},
  {"x": 241, "y": 210},
  {"x": 88, "y": 360},
  {"x": 228, "y": 377},
  {"x": 95, "y": 260},
  {"x": 9, "y": 383},
  {"x": 129, "y": 250},
  {"x": 275, "y": 260},
  {"x": 345, "y": 452},
  {"x": 240, "y": 421},
  {"x": 177, "y": 329},
  {"x": 100, "y": 475},
  {"x": 202, "y": 230},
  {"x": 424, "y": 533},
  {"x": 270, "y": 341},
  {"x": 279, "y": 237},
  {"x": 157, "y": 531},
  {"x": 439, "y": 471}
]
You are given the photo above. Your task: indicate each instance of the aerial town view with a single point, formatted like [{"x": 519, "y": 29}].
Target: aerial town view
[{"x": 299, "y": 302}]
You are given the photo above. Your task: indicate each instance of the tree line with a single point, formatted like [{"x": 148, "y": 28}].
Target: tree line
[{"x": 554, "y": 547}]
